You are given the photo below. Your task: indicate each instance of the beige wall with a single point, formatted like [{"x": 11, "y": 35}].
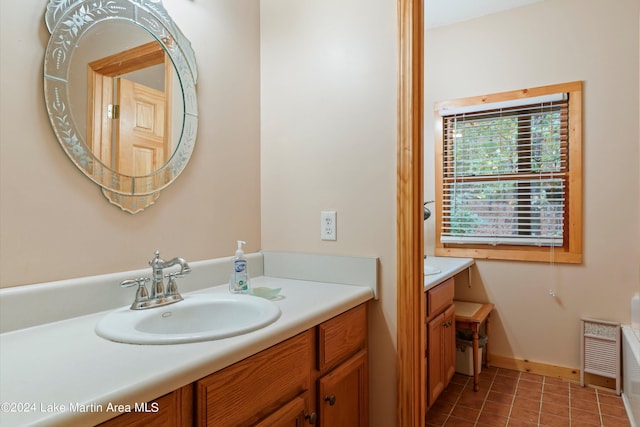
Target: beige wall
[
  {"x": 546, "y": 43},
  {"x": 55, "y": 223},
  {"x": 329, "y": 143}
]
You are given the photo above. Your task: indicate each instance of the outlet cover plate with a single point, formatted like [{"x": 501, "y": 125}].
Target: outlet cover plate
[{"x": 328, "y": 225}]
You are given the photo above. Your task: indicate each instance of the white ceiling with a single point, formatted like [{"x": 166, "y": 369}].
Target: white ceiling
[{"x": 445, "y": 12}]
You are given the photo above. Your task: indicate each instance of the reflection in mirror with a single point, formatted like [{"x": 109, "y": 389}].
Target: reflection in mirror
[
  {"x": 120, "y": 91},
  {"x": 128, "y": 94}
]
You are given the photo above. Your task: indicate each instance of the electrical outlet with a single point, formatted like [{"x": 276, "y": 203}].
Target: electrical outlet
[{"x": 328, "y": 225}]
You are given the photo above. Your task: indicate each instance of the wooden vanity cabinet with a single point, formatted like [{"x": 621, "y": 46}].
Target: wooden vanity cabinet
[
  {"x": 318, "y": 377},
  {"x": 440, "y": 352}
]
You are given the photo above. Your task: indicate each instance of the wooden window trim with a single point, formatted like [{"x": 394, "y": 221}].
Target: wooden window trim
[{"x": 571, "y": 251}]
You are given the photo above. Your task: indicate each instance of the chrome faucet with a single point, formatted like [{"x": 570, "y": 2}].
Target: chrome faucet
[{"x": 158, "y": 295}]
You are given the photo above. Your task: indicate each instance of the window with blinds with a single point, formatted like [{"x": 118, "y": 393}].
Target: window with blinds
[{"x": 505, "y": 173}]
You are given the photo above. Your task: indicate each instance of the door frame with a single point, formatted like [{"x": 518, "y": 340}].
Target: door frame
[{"x": 409, "y": 217}]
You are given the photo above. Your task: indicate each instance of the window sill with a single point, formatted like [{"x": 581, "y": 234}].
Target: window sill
[{"x": 512, "y": 253}]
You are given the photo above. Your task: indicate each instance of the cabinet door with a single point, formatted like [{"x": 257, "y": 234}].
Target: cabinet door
[
  {"x": 289, "y": 415},
  {"x": 441, "y": 353},
  {"x": 435, "y": 371},
  {"x": 343, "y": 394},
  {"x": 449, "y": 344}
]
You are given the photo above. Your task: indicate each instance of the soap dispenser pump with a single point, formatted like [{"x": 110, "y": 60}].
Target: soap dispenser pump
[{"x": 239, "y": 280}]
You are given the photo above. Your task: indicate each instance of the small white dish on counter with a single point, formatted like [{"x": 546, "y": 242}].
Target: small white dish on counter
[{"x": 264, "y": 292}]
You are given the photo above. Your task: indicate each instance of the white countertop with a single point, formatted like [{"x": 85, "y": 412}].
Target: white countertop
[
  {"x": 448, "y": 267},
  {"x": 62, "y": 373}
]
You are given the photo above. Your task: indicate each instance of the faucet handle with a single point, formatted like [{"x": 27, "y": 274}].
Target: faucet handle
[
  {"x": 172, "y": 289},
  {"x": 132, "y": 282},
  {"x": 142, "y": 295}
]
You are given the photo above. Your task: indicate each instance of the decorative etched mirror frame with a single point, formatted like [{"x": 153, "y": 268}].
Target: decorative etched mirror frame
[{"x": 68, "y": 21}]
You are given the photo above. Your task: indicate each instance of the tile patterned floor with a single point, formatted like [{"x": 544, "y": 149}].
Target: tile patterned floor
[{"x": 519, "y": 399}]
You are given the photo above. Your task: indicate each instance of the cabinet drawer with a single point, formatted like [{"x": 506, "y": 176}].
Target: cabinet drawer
[
  {"x": 171, "y": 410},
  {"x": 440, "y": 297},
  {"x": 341, "y": 337},
  {"x": 246, "y": 392}
]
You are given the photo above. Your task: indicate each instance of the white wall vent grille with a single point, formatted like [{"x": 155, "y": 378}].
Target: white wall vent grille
[{"x": 600, "y": 350}]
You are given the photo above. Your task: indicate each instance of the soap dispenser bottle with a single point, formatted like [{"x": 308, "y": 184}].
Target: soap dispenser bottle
[{"x": 239, "y": 281}]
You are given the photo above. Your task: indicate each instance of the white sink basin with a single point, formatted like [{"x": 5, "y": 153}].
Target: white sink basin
[
  {"x": 430, "y": 269},
  {"x": 201, "y": 317}
]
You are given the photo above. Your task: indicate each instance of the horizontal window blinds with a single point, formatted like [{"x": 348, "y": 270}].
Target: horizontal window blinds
[
  {"x": 448, "y": 111},
  {"x": 505, "y": 174}
]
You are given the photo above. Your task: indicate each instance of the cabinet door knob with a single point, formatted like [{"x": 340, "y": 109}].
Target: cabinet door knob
[
  {"x": 331, "y": 399},
  {"x": 311, "y": 418}
]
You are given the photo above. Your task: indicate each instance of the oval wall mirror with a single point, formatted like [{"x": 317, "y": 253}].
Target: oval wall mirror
[{"x": 119, "y": 85}]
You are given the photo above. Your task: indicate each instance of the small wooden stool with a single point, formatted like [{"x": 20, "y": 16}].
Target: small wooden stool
[{"x": 468, "y": 319}]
